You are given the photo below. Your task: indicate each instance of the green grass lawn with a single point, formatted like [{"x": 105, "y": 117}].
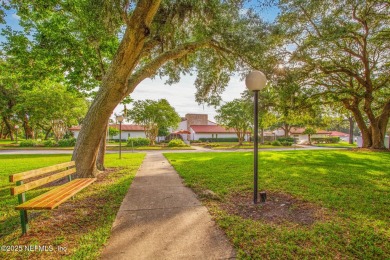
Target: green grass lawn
[
  {"x": 6, "y": 141},
  {"x": 339, "y": 144},
  {"x": 234, "y": 145},
  {"x": 353, "y": 188},
  {"x": 82, "y": 225}
]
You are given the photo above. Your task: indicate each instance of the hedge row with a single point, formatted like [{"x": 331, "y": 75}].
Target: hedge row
[
  {"x": 138, "y": 141},
  {"x": 285, "y": 139},
  {"x": 325, "y": 140},
  {"x": 49, "y": 143},
  {"x": 231, "y": 139}
]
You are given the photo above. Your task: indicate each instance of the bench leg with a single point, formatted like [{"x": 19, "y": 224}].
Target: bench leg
[{"x": 24, "y": 221}]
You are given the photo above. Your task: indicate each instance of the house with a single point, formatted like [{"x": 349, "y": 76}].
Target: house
[
  {"x": 191, "y": 127},
  {"x": 298, "y": 134},
  {"x": 198, "y": 126},
  {"x": 127, "y": 131},
  {"x": 212, "y": 131},
  {"x": 343, "y": 136}
]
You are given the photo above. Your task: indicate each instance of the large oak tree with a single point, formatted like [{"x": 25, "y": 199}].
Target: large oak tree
[
  {"x": 344, "y": 46},
  {"x": 117, "y": 44}
]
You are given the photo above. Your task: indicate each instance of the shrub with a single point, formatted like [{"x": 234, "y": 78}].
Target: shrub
[
  {"x": 276, "y": 143},
  {"x": 286, "y": 143},
  {"x": 138, "y": 141},
  {"x": 285, "y": 139},
  {"x": 28, "y": 143},
  {"x": 67, "y": 142},
  {"x": 176, "y": 143},
  {"x": 325, "y": 140},
  {"x": 50, "y": 143},
  {"x": 232, "y": 139},
  {"x": 195, "y": 141},
  {"x": 211, "y": 145}
]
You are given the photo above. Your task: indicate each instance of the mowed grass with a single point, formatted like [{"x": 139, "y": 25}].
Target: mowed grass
[
  {"x": 352, "y": 187},
  {"x": 339, "y": 144},
  {"x": 81, "y": 225},
  {"x": 235, "y": 145}
]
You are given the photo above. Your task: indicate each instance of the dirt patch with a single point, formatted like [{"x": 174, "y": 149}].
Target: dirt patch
[{"x": 279, "y": 208}]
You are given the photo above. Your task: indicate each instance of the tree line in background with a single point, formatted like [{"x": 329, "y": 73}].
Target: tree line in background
[{"x": 335, "y": 57}]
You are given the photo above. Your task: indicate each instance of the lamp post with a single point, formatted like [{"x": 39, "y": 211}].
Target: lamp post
[
  {"x": 255, "y": 81},
  {"x": 16, "y": 128},
  {"x": 120, "y": 120}
]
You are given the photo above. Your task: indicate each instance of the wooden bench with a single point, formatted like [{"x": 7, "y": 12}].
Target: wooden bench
[{"x": 51, "y": 199}]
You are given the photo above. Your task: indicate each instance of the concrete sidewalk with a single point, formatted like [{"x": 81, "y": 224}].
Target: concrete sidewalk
[{"x": 161, "y": 219}]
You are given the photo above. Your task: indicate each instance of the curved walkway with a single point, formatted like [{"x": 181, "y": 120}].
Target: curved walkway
[{"x": 160, "y": 218}]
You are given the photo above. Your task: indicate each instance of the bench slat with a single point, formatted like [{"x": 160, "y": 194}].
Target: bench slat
[
  {"x": 31, "y": 185},
  {"x": 55, "y": 197},
  {"x": 47, "y": 198},
  {"x": 33, "y": 173}
]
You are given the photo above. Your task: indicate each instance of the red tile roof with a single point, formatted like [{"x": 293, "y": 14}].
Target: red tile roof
[
  {"x": 124, "y": 127},
  {"x": 340, "y": 134},
  {"x": 297, "y": 131},
  {"x": 211, "y": 129}
]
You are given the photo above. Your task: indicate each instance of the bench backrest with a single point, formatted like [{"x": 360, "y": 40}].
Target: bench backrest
[{"x": 20, "y": 177}]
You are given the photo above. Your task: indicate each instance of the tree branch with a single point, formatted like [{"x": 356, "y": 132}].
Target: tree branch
[{"x": 151, "y": 68}]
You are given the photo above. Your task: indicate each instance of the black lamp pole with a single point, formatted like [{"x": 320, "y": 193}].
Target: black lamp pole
[
  {"x": 256, "y": 81},
  {"x": 255, "y": 148}
]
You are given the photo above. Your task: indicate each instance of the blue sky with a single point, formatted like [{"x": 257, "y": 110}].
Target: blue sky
[{"x": 181, "y": 95}]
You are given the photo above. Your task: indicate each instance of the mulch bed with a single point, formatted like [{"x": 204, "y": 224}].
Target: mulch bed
[{"x": 279, "y": 208}]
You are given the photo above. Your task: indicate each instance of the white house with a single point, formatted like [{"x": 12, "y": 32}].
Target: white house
[
  {"x": 212, "y": 131},
  {"x": 127, "y": 131},
  {"x": 195, "y": 126},
  {"x": 343, "y": 136},
  {"x": 192, "y": 127}
]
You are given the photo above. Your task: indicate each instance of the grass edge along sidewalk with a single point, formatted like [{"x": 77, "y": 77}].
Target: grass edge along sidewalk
[
  {"x": 348, "y": 193},
  {"x": 76, "y": 230}
]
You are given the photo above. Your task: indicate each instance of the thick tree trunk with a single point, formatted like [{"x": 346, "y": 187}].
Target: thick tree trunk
[
  {"x": 28, "y": 131},
  {"x": 2, "y": 130},
  {"x": 366, "y": 135},
  {"x": 92, "y": 130},
  {"x": 286, "y": 129},
  {"x": 374, "y": 135},
  {"x": 102, "y": 151},
  {"x": 9, "y": 127},
  {"x": 351, "y": 127},
  {"x": 240, "y": 136},
  {"x": 115, "y": 86},
  {"x": 47, "y": 132}
]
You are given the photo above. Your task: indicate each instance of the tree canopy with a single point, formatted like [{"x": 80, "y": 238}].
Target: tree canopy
[
  {"x": 343, "y": 47},
  {"x": 153, "y": 116},
  {"x": 237, "y": 115}
]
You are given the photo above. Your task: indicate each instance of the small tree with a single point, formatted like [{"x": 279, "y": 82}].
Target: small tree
[
  {"x": 153, "y": 115},
  {"x": 235, "y": 114},
  {"x": 309, "y": 131},
  {"x": 113, "y": 131}
]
